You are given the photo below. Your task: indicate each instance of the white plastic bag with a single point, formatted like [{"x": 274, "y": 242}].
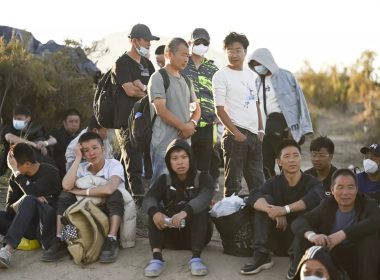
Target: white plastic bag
[{"x": 227, "y": 206}]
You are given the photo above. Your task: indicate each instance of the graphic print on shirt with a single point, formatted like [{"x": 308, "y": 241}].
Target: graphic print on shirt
[{"x": 249, "y": 95}]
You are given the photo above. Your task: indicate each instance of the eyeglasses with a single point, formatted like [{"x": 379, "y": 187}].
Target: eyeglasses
[
  {"x": 203, "y": 42},
  {"x": 235, "y": 51},
  {"x": 319, "y": 155}
]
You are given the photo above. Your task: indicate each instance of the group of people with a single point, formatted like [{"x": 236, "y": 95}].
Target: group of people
[{"x": 325, "y": 211}]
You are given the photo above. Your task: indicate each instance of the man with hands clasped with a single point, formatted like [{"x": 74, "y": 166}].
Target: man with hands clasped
[
  {"x": 277, "y": 203},
  {"x": 347, "y": 224}
]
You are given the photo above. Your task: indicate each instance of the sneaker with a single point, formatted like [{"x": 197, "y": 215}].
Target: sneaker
[
  {"x": 260, "y": 262},
  {"x": 291, "y": 271},
  {"x": 197, "y": 267},
  {"x": 56, "y": 251},
  {"x": 110, "y": 250},
  {"x": 5, "y": 258},
  {"x": 154, "y": 268}
]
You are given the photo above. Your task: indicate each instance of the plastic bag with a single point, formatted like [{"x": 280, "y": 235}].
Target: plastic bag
[
  {"x": 227, "y": 206},
  {"x": 28, "y": 245}
]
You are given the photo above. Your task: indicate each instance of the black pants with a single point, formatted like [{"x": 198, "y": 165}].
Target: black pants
[
  {"x": 194, "y": 236},
  {"x": 242, "y": 158},
  {"x": 270, "y": 144},
  {"x": 114, "y": 204},
  {"x": 267, "y": 237},
  {"x": 360, "y": 259},
  {"x": 33, "y": 220},
  {"x": 133, "y": 160},
  {"x": 201, "y": 144},
  {"x": 216, "y": 161}
]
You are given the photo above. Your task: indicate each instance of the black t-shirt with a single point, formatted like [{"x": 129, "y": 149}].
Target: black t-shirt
[
  {"x": 128, "y": 70},
  {"x": 46, "y": 182},
  {"x": 326, "y": 182}
]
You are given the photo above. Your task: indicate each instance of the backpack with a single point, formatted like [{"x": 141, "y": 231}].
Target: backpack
[
  {"x": 104, "y": 100},
  {"x": 140, "y": 121},
  {"x": 84, "y": 228}
]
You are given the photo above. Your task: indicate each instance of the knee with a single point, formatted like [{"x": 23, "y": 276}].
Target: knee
[
  {"x": 115, "y": 204},
  {"x": 29, "y": 200}
]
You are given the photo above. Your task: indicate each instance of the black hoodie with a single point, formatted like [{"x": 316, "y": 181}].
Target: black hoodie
[{"x": 195, "y": 199}]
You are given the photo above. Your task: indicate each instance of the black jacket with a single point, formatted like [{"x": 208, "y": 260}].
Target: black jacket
[
  {"x": 164, "y": 197},
  {"x": 321, "y": 219}
]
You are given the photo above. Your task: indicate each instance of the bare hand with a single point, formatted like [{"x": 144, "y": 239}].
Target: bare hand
[
  {"x": 42, "y": 199},
  {"x": 240, "y": 137},
  {"x": 11, "y": 161},
  {"x": 275, "y": 211},
  {"x": 159, "y": 220},
  {"x": 39, "y": 145},
  {"x": 77, "y": 191},
  {"x": 320, "y": 240},
  {"x": 336, "y": 238},
  {"x": 261, "y": 135},
  {"x": 281, "y": 223},
  {"x": 187, "y": 130},
  {"x": 138, "y": 84},
  {"x": 78, "y": 151},
  {"x": 177, "y": 218},
  {"x": 44, "y": 151}
]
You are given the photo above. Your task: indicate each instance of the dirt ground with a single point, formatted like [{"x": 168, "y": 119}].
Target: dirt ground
[{"x": 131, "y": 262}]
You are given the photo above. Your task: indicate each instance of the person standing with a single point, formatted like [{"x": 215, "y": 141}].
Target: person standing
[
  {"x": 235, "y": 98},
  {"x": 281, "y": 99},
  {"x": 200, "y": 71}
]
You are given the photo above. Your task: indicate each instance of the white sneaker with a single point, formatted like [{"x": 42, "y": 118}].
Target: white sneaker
[{"x": 5, "y": 258}]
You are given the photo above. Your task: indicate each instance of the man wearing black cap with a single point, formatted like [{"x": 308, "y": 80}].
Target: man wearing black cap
[
  {"x": 132, "y": 72},
  {"x": 201, "y": 70},
  {"x": 369, "y": 179}
]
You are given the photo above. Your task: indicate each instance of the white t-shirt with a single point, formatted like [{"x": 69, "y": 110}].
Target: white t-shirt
[
  {"x": 236, "y": 91},
  {"x": 111, "y": 167},
  {"x": 271, "y": 100}
]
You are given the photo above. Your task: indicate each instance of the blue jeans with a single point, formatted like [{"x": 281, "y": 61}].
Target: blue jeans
[
  {"x": 158, "y": 163},
  {"x": 242, "y": 158}
]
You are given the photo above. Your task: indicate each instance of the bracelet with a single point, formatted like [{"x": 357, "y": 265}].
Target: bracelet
[
  {"x": 262, "y": 131},
  {"x": 46, "y": 143},
  {"x": 88, "y": 192},
  {"x": 287, "y": 209},
  {"x": 311, "y": 234},
  {"x": 194, "y": 122}
]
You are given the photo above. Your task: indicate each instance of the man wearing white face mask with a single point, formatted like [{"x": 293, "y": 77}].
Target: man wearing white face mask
[
  {"x": 369, "y": 179},
  {"x": 22, "y": 131},
  {"x": 132, "y": 72},
  {"x": 200, "y": 71}
]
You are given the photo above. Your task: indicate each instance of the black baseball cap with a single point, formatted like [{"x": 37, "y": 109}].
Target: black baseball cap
[
  {"x": 373, "y": 148},
  {"x": 200, "y": 33},
  {"x": 142, "y": 31}
]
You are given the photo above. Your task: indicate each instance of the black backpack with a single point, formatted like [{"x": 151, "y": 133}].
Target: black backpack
[
  {"x": 140, "y": 121},
  {"x": 104, "y": 101}
]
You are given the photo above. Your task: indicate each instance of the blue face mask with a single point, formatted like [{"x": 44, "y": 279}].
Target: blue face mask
[
  {"x": 19, "y": 125},
  {"x": 313, "y": 277},
  {"x": 261, "y": 69},
  {"x": 142, "y": 51}
]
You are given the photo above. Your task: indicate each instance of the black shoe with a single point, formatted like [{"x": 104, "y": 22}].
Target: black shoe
[
  {"x": 56, "y": 251},
  {"x": 260, "y": 262},
  {"x": 109, "y": 251},
  {"x": 291, "y": 271}
]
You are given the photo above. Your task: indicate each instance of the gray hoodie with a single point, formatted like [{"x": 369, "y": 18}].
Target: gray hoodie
[{"x": 288, "y": 93}]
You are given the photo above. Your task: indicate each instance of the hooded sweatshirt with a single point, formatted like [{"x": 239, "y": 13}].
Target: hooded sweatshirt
[
  {"x": 165, "y": 198},
  {"x": 288, "y": 94}
]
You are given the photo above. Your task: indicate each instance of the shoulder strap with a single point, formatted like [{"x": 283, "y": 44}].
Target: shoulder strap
[
  {"x": 187, "y": 82},
  {"x": 165, "y": 77}
]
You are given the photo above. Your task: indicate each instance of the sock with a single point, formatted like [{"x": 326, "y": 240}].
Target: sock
[
  {"x": 158, "y": 256},
  {"x": 196, "y": 255},
  {"x": 112, "y": 236}
]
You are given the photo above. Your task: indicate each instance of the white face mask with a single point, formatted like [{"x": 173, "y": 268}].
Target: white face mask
[
  {"x": 19, "y": 125},
  {"x": 142, "y": 51},
  {"x": 200, "y": 49},
  {"x": 370, "y": 166},
  {"x": 313, "y": 277},
  {"x": 261, "y": 69}
]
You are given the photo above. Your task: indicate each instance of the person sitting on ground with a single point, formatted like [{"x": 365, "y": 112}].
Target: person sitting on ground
[
  {"x": 347, "y": 224},
  {"x": 22, "y": 130},
  {"x": 277, "y": 203},
  {"x": 369, "y": 179},
  {"x": 90, "y": 147},
  {"x": 64, "y": 135},
  {"x": 93, "y": 126},
  {"x": 321, "y": 154},
  {"x": 317, "y": 264},
  {"x": 30, "y": 208},
  {"x": 183, "y": 196}
]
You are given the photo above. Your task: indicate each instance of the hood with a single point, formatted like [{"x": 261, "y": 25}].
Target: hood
[
  {"x": 182, "y": 144},
  {"x": 264, "y": 57}
]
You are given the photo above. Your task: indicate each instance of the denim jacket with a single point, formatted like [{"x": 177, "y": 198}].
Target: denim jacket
[{"x": 288, "y": 93}]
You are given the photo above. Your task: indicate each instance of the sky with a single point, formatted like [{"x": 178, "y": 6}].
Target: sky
[{"x": 323, "y": 32}]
